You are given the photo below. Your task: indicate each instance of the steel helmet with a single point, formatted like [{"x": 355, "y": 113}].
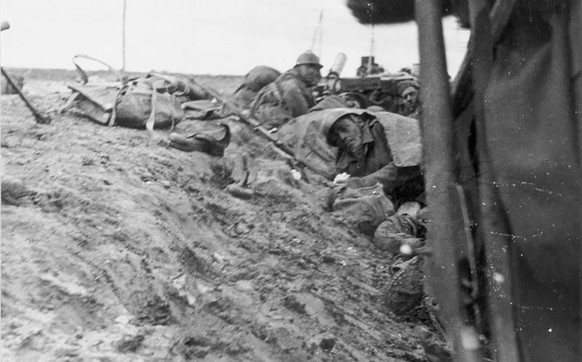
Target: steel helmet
[
  {"x": 308, "y": 58},
  {"x": 334, "y": 115}
]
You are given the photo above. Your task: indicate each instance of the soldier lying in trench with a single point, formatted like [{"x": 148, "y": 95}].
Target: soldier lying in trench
[{"x": 375, "y": 150}]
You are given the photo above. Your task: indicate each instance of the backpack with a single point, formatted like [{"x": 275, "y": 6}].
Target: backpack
[
  {"x": 134, "y": 105},
  {"x": 147, "y": 103},
  {"x": 151, "y": 101}
]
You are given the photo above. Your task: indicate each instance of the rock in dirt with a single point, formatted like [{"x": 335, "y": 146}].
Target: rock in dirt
[
  {"x": 14, "y": 192},
  {"x": 240, "y": 191},
  {"x": 293, "y": 304},
  {"x": 327, "y": 344},
  {"x": 130, "y": 343},
  {"x": 193, "y": 347}
]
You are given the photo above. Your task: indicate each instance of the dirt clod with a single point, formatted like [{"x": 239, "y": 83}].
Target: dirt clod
[
  {"x": 130, "y": 343},
  {"x": 14, "y": 192},
  {"x": 293, "y": 304},
  {"x": 327, "y": 344}
]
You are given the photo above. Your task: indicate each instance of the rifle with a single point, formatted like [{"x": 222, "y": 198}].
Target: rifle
[
  {"x": 37, "y": 116},
  {"x": 243, "y": 116}
]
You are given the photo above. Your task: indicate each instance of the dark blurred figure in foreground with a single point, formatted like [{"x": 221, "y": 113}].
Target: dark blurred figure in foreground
[{"x": 516, "y": 104}]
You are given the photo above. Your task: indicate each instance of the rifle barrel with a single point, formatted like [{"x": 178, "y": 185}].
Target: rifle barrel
[{"x": 37, "y": 116}]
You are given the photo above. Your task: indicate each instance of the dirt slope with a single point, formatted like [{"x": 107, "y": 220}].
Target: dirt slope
[{"x": 117, "y": 249}]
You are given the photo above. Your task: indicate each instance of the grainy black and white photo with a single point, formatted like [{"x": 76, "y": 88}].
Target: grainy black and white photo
[{"x": 306, "y": 180}]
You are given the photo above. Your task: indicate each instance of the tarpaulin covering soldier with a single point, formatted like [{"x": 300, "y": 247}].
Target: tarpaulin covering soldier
[
  {"x": 388, "y": 172},
  {"x": 516, "y": 156},
  {"x": 383, "y": 148}
]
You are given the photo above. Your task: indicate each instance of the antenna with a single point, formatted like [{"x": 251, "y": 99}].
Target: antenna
[
  {"x": 372, "y": 48},
  {"x": 318, "y": 35},
  {"x": 123, "y": 37}
]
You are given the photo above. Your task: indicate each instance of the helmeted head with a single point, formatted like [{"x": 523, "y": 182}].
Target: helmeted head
[
  {"x": 342, "y": 128},
  {"x": 309, "y": 68},
  {"x": 308, "y": 58}
]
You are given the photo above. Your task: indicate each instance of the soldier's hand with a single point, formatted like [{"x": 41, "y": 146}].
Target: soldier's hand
[
  {"x": 296, "y": 174},
  {"x": 342, "y": 178}
]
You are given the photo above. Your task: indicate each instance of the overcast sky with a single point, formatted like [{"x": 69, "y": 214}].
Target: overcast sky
[{"x": 204, "y": 36}]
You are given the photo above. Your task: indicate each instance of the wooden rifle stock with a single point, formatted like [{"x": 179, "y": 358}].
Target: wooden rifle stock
[{"x": 446, "y": 230}]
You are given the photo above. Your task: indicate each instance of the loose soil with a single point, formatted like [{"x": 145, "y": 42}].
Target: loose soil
[{"x": 117, "y": 249}]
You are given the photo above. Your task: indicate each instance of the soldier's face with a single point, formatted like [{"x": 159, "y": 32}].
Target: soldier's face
[
  {"x": 410, "y": 96},
  {"x": 310, "y": 73},
  {"x": 348, "y": 135}
]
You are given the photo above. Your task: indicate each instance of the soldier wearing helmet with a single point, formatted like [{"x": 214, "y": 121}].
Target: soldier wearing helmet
[
  {"x": 384, "y": 149},
  {"x": 290, "y": 95}
]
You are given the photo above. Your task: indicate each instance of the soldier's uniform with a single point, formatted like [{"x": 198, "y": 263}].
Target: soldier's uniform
[{"x": 289, "y": 96}]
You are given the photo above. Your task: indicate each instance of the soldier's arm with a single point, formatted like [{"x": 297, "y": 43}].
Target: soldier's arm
[{"x": 386, "y": 176}]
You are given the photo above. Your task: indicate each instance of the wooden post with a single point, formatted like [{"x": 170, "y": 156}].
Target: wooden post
[{"x": 447, "y": 236}]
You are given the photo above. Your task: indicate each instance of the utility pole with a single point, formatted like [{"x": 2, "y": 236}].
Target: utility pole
[
  {"x": 123, "y": 37},
  {"x": 318, "y": 35}
]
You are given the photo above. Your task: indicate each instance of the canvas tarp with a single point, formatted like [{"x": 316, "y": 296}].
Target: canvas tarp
[{"x": 305, "y": 137}]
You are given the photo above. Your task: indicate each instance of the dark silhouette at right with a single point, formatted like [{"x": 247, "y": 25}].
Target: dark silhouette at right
[{"x": 502, "y": 155}]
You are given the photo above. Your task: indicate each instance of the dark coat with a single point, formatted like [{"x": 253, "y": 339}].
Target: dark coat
[
  {"x": 530, "y": 139},
  {"x": 533, "y": 137}
]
